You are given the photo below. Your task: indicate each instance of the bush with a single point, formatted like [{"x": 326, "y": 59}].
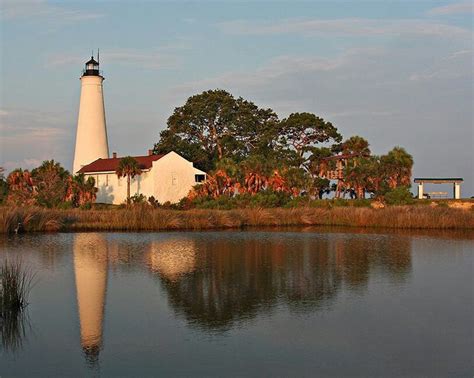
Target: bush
[
  {"x": 340, "y": 202},
  {"x": 65, "y": 205},
  {"x": 86, "y": 206},
  {"x": 138, "y": 198},
  {"x": 399, "y": 196},
  {"x": 362, "y": 202},
  {"x": 264, "y": 199}
]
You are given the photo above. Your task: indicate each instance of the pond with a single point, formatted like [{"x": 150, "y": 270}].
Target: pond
[{"x": 243, "y": 303}]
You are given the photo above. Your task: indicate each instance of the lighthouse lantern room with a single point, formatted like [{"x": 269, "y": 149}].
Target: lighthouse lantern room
[{"x": 92, "y": 68}]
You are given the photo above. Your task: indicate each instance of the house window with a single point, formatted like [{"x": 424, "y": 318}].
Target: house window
[
  {"x": 199, "y": 178},
  {"x": 106, "y": 180},
  {"x": 97, "y": 180},
  {"x": 174, "y": 179}
]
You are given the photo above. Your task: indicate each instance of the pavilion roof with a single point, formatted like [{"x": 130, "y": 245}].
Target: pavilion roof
[{"x": 438, "y": 180}]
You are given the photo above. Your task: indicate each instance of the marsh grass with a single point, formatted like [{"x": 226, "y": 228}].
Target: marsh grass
[
  {"x": 15, "y": 285},
  {"x": 145, "y": 218},
  {"x": 31, "y": 219}
]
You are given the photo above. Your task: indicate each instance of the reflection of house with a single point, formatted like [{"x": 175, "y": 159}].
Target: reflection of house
[
  {"x": 172, "y": 258},
  {"x": 90, "y": 268},
  {"x": 167, "y": 177}
]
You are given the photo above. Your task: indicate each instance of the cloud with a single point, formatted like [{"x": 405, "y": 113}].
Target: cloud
[
  {"x": 150, "y": 59},
  {"x": 419, "y": 97},
  {"x": 344, "y": 27},
  {"x": 456, "y": 8},
  {"x": 455, "y": 65},
  {"x": 24, "y": 164},
  {"x": 29, "y": 136},
  {"x": 34, "y": 9}
]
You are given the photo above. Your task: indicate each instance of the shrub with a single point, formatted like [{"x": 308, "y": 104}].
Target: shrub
[
  {"x": 138, "y": 198},
  {"x": 340, "y": 202},
  {"x": 86, "y": 206},
  {"x": 399, "y": 196},
  {"x": 263, "y": 199},
  {"x": 65, "y": 205},
  {"x": 362, "y": 202},
  {"x": 153, "y": 202}
]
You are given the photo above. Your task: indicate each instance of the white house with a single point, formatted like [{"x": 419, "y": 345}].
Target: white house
[{"x": 167, "y": 177}]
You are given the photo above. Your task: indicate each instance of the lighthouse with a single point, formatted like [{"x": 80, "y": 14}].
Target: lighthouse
[{"x": 91, "y": 134}]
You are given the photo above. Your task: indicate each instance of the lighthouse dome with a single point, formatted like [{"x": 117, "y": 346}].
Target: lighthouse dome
[{"x": 92, "y": 68}]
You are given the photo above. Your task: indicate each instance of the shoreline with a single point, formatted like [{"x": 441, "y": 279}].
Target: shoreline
[{"x": 144, "y": 218}]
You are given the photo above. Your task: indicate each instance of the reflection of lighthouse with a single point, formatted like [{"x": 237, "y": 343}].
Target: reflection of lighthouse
[
  {"x": 172, "y": 258},
  {"x": 91, "y": 135},
  {"x": 90, "y": 267}
]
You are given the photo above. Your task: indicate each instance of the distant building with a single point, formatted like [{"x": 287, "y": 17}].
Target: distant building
[{"x": 168, "y": 178}]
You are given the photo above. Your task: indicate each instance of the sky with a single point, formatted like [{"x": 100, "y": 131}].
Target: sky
[{"x": 395, "y": 72}]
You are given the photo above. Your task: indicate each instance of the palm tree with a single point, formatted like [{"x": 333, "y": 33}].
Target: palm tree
[
  {"x": 128, "y": 167},
  {"x": 397, "y": 165},
  {"x": 81, "y": 191},
  {"x": 22, "y": 190},
  {"x": 356, "y": 145}
]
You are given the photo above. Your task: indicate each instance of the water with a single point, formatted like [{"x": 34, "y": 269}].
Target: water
[{"x": 254, "y": 303}]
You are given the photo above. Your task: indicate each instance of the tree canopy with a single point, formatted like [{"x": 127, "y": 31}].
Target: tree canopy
[
  {"x": 245, "y": 148},
  {"x": 214, "y": 125},
  {"x": 49, "y": 185}
]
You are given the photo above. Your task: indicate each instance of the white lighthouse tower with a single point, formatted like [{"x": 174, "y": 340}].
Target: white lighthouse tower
[{"x": 91, "y": 135}]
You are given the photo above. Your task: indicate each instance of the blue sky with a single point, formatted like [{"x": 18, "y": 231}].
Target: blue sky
[{"x": 395, "y": 72}]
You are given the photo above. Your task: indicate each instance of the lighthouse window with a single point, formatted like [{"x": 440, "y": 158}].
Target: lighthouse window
[{"x": 199, "y": 178}]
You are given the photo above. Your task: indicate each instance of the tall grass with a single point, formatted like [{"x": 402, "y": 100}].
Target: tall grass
[
  {"x": 145, "y": 218},
  {"x": 31, "y": 219},
  {"x": 15, "y": 285}
]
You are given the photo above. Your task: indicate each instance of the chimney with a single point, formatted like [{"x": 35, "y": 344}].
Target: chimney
[
  {"x": 114, "y": 155},
  {"x": 150, "y": 152}
]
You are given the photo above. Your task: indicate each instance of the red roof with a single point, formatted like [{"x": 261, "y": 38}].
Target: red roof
[{"x": 110, "y": 165}]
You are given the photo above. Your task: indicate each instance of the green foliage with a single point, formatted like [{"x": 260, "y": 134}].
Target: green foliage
[
  {"x": 51, "y": 183},
  {"x": 138, "y": 198},
  {"x": 301, "y": 131},
  {"x": 86, "y": 206},
  {"x": 153, "y": 202},
  {"x": 264, "y": 199},
  {"x": 399, "y": 196},
  {"x": 356, "y": 145},
  {"x": 66, "y": 205},
  {"x": 51, "y": 186},
  {"x": 397, "y": 166},
  {"x": 128, "y": 167},
  {"x": 213, "y": 125},
  {"x": 3, "y": 187}
]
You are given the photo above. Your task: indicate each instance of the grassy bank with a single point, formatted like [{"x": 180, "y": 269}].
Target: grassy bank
[{"x": 145, "y": 218}]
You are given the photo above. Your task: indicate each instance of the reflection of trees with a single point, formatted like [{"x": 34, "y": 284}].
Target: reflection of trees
[
  {"x": 235, "y": 279},
  {"x": 49, "y": 248},
  {"x": 172, "y": 258}
]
